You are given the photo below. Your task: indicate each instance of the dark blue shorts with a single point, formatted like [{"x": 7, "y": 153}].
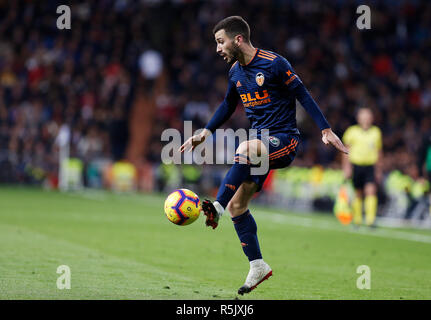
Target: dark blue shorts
[{"x": 282, "y": 151}]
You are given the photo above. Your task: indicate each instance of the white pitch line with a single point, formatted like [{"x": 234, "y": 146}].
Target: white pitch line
[{"x": 325, "y": 225}]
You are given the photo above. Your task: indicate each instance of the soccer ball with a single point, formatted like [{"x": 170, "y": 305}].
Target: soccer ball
[{"x": 182, "y": 207}]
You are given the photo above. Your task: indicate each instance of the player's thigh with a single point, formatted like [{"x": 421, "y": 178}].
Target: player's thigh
[
  {"x": 239, "y": 202},
  {"x": 252, "y": 149}
]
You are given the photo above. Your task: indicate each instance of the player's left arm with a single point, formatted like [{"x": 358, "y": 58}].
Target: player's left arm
[{"x": 286, "y": 74}]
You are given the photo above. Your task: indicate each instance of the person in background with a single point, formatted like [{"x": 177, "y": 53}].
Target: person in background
[{"x": 362, "y": 164}]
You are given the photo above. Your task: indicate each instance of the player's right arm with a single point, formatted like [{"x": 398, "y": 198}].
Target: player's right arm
[{"x": 222, "y": 114}]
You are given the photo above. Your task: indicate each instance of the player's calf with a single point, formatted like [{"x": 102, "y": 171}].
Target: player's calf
[{"x": 235, "y": 208}]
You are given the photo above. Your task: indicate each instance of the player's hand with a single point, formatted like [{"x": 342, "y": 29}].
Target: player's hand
[
  {"x": 194, "y": 141},
  {"x": 329, "y": 137}
]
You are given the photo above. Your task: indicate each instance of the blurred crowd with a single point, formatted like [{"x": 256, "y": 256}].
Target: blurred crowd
[
  {"x": 82, "y": 77},
  {"x": 89, "y": 76}
]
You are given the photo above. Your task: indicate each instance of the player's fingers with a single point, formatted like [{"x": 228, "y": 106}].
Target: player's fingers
[
  {"x": 184, "y": 146},
  {"x": 340, "y": 146}
]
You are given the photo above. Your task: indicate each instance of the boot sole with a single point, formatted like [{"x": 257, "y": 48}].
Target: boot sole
[{"x": 243, "y": 289}]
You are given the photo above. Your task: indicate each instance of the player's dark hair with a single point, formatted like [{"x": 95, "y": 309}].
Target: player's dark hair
[{"x": 234, "y": 26}]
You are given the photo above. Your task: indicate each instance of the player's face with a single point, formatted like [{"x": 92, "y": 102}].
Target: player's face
[
  {"x": 226, "y": 47},
  {"x": 365, "y": 118}
]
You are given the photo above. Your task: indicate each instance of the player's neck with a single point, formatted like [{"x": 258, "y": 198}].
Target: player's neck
[{"x": 247, "y": 54}]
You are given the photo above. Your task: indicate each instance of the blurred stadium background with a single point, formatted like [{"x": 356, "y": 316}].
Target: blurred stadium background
[{"x": 85, "y": 107}]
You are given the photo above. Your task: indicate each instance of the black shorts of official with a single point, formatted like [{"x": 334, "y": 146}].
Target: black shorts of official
[
  {"x": 282, "y": 151},
  {"x": 362, "y": 175}
]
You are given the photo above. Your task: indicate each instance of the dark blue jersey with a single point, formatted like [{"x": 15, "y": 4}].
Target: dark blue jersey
[{"x": 268, "y": 88}]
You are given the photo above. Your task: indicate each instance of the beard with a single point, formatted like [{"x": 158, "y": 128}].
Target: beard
[{"x": 233, "y": 54}]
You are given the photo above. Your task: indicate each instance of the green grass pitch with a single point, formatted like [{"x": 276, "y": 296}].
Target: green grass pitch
[{"x": 123, "y": 247}]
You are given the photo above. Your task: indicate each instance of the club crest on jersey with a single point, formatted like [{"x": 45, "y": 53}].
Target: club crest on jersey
[
  {"x": 260, "y": 78},
  {"x": 274, "y": 141}
]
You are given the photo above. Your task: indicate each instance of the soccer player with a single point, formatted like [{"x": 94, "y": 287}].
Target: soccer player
[
  {"x": 268, "y": 87},
  {"x": 362, "y": 164}
]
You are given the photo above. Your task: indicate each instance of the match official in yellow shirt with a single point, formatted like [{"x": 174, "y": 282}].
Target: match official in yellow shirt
[{"x": 362, "y": 164}]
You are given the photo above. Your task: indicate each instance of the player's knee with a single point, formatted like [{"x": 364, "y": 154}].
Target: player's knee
[
  {"x": 243, "y": 148},
  {"x": 236, "y": 208},
  {"x": 251, "y": 149}
]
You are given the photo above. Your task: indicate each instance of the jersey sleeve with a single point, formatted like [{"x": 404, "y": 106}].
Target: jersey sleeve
[
  {"x": 226, "y": 108},
  {"x": 287, "y": 78},
  {"x": 285, "y": 74}
]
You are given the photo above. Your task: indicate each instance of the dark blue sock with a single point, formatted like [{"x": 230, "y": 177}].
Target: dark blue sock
[
  {"x": 239, "y": 172},
  {"x": 246, "y": 229}
]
